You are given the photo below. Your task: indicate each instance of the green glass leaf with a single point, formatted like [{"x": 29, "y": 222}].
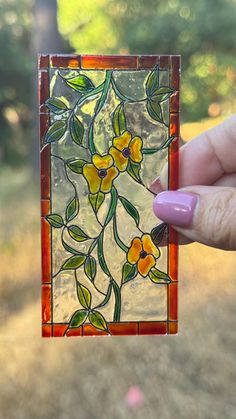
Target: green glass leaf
[
  {"x": 167, "y": 143},
  {"x": 96, "y": 200},
  {"x": 159, "y": 277},
  {"x": 74, "y": 262},
  {"x": 155, "y": 111},
  {"x": 78, "y": 318},
  {"x": 76, "y": 166},
  {"x": 70, "y": 249},
  {"x": 108, "y": 296},
  {"x": 128, "y": 272},
  {"x": 119, "y": 121},
  {"x": 162, "y": 93},
  {"x": 97, "y": 320},
  {"x": 55, "y": 132},
  {"x": 158, "y": 232},
  {"x": 130, "y": 208},
  {"x": 84, "y": 296},
  {"x": 105, "y": 91},
  {"x": 72, "y": 209},
  {"x": 112, "y": 207},
  {"x": 117, "y": 238},
  {"x": 133, "y": 170},
  {"x": 80, "y": 83},
  {"x": 56, "y": 105},
  {"x": 76, "y": 130},
  {"x": 101, "y": 258},
  {"x": 77, "y": 234},
  {"x": 90, "y": 267},
  {"x": 162, "y": 147},
  {"x": 55, "y": 220},
  {"x": 152, "y": 82}
]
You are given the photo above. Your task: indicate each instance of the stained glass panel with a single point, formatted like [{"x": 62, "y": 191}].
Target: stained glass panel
[{"x": 107, "y": 127}]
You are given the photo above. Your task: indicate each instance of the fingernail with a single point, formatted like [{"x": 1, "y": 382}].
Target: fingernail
[
  {"x": 175, "y": 207},
  {"x": 155, "y": 186}
]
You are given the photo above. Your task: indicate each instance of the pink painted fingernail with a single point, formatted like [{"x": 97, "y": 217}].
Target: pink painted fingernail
[
  {"x": 175, "y": 207},
  {"x": 155, "y": 186}
]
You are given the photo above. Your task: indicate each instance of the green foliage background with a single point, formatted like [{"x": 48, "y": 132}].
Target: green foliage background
[{"x": 203, "y": 32}]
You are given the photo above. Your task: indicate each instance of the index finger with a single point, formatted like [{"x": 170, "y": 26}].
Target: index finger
[{"x": 207, "y": 157}]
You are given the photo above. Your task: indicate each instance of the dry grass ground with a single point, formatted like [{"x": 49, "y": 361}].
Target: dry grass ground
[{"x": 192, "y": 375}]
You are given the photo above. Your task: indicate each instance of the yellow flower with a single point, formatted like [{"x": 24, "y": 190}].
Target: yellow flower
[
  {"x": 126, "y": 148},
  {"x": 100, "y": 173},
  {"x": 144, "y": 253}
]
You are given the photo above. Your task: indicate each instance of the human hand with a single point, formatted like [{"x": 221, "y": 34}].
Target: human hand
[{"x": 204, "y": 208}]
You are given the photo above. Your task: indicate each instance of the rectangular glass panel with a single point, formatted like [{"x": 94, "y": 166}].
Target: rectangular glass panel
[{"x": 106, "y": 131}]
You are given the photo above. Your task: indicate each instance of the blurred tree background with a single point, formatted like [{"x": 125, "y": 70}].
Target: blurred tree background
[{"x": 201, "y": 31}]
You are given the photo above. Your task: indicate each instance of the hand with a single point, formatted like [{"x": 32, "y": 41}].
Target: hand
[{"x": 204, "y": 208}]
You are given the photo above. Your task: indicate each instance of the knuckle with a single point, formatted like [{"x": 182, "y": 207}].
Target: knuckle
[{"x": 217, "y": 219}]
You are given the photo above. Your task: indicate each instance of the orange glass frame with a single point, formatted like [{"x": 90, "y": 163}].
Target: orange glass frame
[{"x": 45, "y": 62}]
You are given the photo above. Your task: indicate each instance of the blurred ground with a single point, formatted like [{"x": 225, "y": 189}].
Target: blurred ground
[{"x": 187, "y": 376}]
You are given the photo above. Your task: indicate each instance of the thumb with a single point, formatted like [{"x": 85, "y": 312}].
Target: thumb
[{"x": 206, "y": 214}]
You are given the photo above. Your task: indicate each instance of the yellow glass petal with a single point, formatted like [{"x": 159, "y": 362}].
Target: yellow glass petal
[
  {"x": 145, "y": 264},
  {"x": 120, "y": 161},
  {"x": 106, "y": 184},
  {"x": 135, "y": 149},
  {"x": 149, "y": 246},
  {"x": 102, "y": 162},
  {"x": 91, "y": 175},
  {"x": 134, "y": 250},
  {"x": 122, "y": 141}
]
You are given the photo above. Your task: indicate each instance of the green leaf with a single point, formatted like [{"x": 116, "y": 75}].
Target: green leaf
[
  {"x": 76, "y": 130},
  {"x": 96, "y": 200},
  {"x": 133, "y": 169},
  {"x": 97, "y": 320},
  {"x": 55, "y": 220},
  {"x": 159, "y": 277},
  {"x": 119, "y": 121},
  {"x": 78, "y": 318},
  {"x": 130, "y": 208},
  {"x": 158, "y": 232},
  {"x": 55, "y": 132},
  {"x": 105, "y": 91},
  {"x": 152, "y": 82},
  {"x": 101, "y": 258},
  {"x": 128, "y": 272},
  {"x": 70, "y": 249},
  {"x": 56, "y": 105},
  {"x": 162, "y": 147},
  {"x": 84, "y": 296},
  {"x": 90, "y": 267},
  {"x": 72, "y": 209},
  {"x": 77, "y": 234},
  {"x": 162, "y": 94},
  {"x": 74, "y": 262},
  {"x": 155, "y": 111},
  {"x": 80, "y": 83},
  {"x": 76, "y": 166},
  {"x": 112, "y": 207},
  {"x": 117, "y": 238},
  {"x": 108, "y": 296},
  {"x": 167, "y": 143}
]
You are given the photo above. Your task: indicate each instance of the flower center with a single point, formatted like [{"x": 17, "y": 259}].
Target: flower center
[
  {"x": 102, "y": 173},
  {"x": 143, "y": 254},
  {"x": 126, "y": 152}
]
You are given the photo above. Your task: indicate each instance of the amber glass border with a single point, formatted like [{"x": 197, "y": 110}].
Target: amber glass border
[{"x": 125, "y": 62}]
